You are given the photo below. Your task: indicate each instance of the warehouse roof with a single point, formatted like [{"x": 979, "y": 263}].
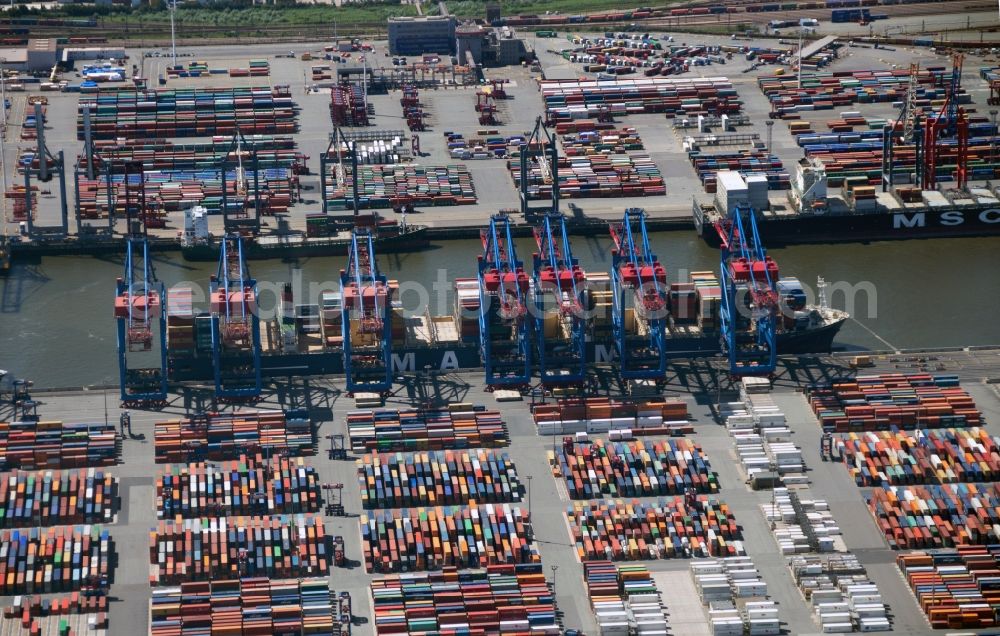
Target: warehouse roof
[
  {"x": 42, "y": 44},
  {"x": 818, "y": 46}
]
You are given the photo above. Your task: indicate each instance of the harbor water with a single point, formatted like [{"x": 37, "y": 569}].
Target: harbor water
[{"x": 56, "y": 324}]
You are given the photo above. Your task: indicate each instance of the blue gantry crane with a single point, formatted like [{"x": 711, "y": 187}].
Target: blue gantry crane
[
  {"x": 750, "y": 298},
  {"x": 366, "y": 318},
  {"x": 236, "y": 349},
  {"x": 560, "y": 320},
  {"x": 141, "y": 318},
  {"x": 639, "y": 306},
  {"x": 504, "y": 324}
]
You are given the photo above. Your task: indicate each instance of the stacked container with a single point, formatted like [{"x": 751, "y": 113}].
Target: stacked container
[
  {"x": 915, "y": 517},
  {"x": 49, "y": 444},
  {"x": 54, "y": 497},
  {"x": 502, "y": 599},
  {"x": 669, "y": 528},
  {"x": 230, "y": 435},
  {"x": 462, "y": 426},
  {"x": 635, "y": 469},
  {"x": 225, "y": 548},
  {"x": 906, "y": 401},
  {"x": 394, "y": 480},
  {"x": 956, "y": 589},
  {"x": 921, "y": 457},
  {"x": 414, "y": 539},
  {"x": 256, "y": 606},
  {"x": 63, "y": 558},
  {"x": 280, "y": 485}
]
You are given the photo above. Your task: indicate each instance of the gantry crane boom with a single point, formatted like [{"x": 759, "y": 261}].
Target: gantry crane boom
[
  {"x": 639, "y": 283},
  {"x": 366, "y": 318},
  {"x": 560, "y": 321},
  {"x": 749, "y": 310},
  {"x": 236, "y": 348},
  {"x": 504, "y": 327},
  {"x": 139, "y": 314}
]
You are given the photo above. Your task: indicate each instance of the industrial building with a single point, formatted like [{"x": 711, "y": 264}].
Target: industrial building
[
  {"x": 490, "y": 47},
  {"x": 423, "y": 34},
  {"x": 39, "y": 55}
]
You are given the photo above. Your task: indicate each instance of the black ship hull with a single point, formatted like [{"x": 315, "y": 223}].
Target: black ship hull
[
  {"x": 415, "y": 239},
  {"x": 466, "y": 355},
  {"x": 412, "y": 240},
  {"x": 880, "y": 226}
]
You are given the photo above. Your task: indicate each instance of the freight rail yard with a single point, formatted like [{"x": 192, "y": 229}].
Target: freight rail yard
[{"x": 344, "y": 466}]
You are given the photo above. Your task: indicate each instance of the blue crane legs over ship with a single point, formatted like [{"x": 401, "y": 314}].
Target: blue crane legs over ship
[
  {"x": 366, "y": 319},
  {"x": 639, "y": 283},
  {"x": 749, "y": 297},
  {"x": 141, "y": 318},
  {"x": 236, "y": 349},
  {"x": 504, "y": 324},
  {"x": 560, "y": 320}
]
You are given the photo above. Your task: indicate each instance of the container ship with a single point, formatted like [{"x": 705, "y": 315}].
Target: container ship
[
  {"x": 953, "y": 219},
  {"x": 325, "y": 235},
  {"x": 307, "y": 338}
]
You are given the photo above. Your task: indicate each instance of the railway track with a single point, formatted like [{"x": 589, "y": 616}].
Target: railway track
[{"x": 157, "y": 33}]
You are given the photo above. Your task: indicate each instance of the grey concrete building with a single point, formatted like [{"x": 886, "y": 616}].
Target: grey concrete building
[{"x": 423, "y": 34}]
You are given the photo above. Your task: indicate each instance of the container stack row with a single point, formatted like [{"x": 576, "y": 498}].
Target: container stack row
[
  {"x": 228, "y": 548},
  {"x": 956, "y": 589},
  {"x": 736, "y": 597},
  {"x": 619, "y": 530},
  {"x": 842, "y": 597},
  {"x": 436, "y": 478},
  {"x": 502, "y": 599},
  {"x": 607, "y": 141},
  {"x": 382, "y": 186},
  {"x": 801, "y": 524},
  {"x": 197, "y": 112},
  {"x": 161, "y": 154},
  {"x": 414, "y": 539},
  {"x": 73, "y": 614},
  {"x": 893, "y": 400},
  {"x": 57, "y": 497},
  {"x": 567, "y": 100},
  {"x": 833, "y": 89},
  {"x": 57, "y": 559},
  {"x": 762, "y": 437},
  {"x": 601, "y": 415},
  {"x": 937, "y": 456},
  {"x": 177, "y": 190},
  {"x": 746, "y": 162},
  {"x": 248, "y": 486},
  {"x": 483, "y": 146},
  {"x": 586, "y": 176},
  {"x": 624, "y": 597},
  {"x": 36, "y": 445},
  {"x": 348, "y": 106},
  {"x": 218, "y": 436},
  {"x": 945, "y": 516},
  {"x": 249, "y": 606},
  {"x": 845, "y": 163},
  {"x": 462, "y": 426},
  {"x": 633, "y": 469}
]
